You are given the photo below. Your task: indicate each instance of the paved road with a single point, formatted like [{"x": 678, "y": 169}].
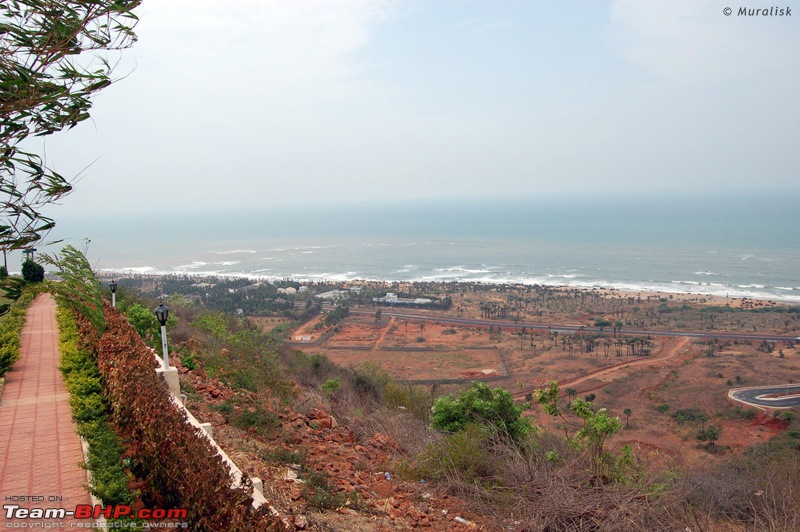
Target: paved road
[{"x": 755, "y": 396}]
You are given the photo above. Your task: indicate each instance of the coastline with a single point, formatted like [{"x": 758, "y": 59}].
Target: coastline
[{"x": 700, "y": 298}]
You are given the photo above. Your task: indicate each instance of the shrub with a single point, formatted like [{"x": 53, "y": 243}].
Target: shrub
[
  {"x": 90, "y": 409},
  {"x": 331, "y": 386},
  {"x": 188, "y": 361},
  {"x": 689, "y": 414},
  {"x": 32, "y": 272},
  {"x": 462, "y": 455},
  {"x": 182, "y": 468},
  {"x": 255, "y": 419},
  {"x": 663, "y": 408},
  {"x": 11, "y": 324},
  {"x": 480, "y": 404},
  {"x": 3, "y": 272}
]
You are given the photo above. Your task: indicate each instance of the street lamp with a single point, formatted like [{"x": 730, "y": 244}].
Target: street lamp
[
  {"x": 113, "y": 286},
  {"x": 162, "y": 313}
]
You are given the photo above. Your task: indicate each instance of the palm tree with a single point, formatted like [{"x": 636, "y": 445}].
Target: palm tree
[{"x": 571, "y": 392}]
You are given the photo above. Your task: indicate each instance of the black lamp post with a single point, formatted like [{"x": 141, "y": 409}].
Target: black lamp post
[
  {"x": 162, "y": 313},
  {"x": 113, "y": 286}
]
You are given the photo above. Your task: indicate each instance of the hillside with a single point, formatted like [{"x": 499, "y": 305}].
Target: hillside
[{"x": 324, "y": 438}]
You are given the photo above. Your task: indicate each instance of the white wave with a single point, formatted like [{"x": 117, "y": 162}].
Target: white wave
[
  {"x": 705, "y": 273},
  {"x": 750, "y": 286},
  {"x": 136, "y": 269},
  {"x": 251, "y": 251},
  {"x": 563, "y": 275},
  {"x": 789, "y": 288},
  {"x": 228, "y": 263},
  {"x": 194, "y": 264},
  {"x": 462, "y": 269}
]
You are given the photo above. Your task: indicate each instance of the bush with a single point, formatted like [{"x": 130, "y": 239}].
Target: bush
[
  {"x": 182, "y": 468},
  {"x": 663, "y": 408},
  {"x": 90, "y": 409},
  {"x": 255, "y": 419},
  {"x": 689, "y": 414},
  {"x": 32, "y": 272},
  {"x": 3, "y": 272},
  {"x": 480, "y": 404},
  {"x": 462, "y": 455},
  {"x": 11, "y": 324}
]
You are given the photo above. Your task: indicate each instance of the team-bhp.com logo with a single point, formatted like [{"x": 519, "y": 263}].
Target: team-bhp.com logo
[{"x": 177, "y": 516}]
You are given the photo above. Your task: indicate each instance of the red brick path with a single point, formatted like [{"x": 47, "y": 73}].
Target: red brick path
[{"x": 39, "y": 448}]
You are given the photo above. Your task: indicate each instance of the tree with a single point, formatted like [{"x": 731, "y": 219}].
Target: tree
[
  {"x": 602, "y": 323},
  {"x": 571, "y": 392},
  {"x": 597, "y": 426},
  {"x": 50, "y": 68},
  {"x": 79, "y": 288},
  {"x": 627, "y": 413}
]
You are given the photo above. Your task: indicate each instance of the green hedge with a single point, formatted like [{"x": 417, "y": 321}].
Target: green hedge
[
  {"x": 11, "y": 324},
  {"x": 90, "y": 411}
]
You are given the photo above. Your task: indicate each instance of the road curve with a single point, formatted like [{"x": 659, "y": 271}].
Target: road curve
[{"x": 756, "y": 396}]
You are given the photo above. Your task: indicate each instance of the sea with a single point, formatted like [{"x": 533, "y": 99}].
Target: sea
[{"x": 734, "y": 246}]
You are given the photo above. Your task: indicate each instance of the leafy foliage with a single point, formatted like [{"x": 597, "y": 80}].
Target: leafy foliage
[
  {"x": 46, "y": 85},
  {"x": 79, "y": 289},
  {"x": 11, "y": 324},
  {"x": 337, "y": 315},
  {"x": 90, "y": 411},
  {"x": 182, "y": 467},
  {"x": 482, "y": 405},
  {"x": 32, "y": 272},
  {"x": 597, "y": 427}
]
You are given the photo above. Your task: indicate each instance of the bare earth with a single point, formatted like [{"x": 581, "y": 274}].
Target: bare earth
[{"x": 679, "y": 372}]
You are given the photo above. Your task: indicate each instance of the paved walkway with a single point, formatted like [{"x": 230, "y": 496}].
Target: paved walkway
[{"x": 39, "y": 448}]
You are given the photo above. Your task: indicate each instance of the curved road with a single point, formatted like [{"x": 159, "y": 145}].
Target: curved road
[{"x": 755, "y": 396}]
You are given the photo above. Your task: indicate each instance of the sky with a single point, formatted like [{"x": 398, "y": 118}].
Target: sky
[{"x": 255, "y": 103}]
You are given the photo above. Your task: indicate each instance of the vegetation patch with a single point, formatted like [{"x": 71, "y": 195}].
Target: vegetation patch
[
  {"x": 11, "y": 324},
  {"x": 109, "y": 479}
]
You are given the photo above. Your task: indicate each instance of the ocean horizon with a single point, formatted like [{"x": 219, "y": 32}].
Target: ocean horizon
[{"x": 735, "y": 247}]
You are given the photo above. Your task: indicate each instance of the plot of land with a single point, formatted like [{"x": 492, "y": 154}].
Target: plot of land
[{"x": 680, "y": 376}]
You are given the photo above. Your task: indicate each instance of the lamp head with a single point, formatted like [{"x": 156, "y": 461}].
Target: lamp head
[{"x": 162, "y": 313}]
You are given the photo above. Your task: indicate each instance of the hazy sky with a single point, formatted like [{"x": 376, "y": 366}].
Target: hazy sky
[{"x": 248, "y": 103}]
